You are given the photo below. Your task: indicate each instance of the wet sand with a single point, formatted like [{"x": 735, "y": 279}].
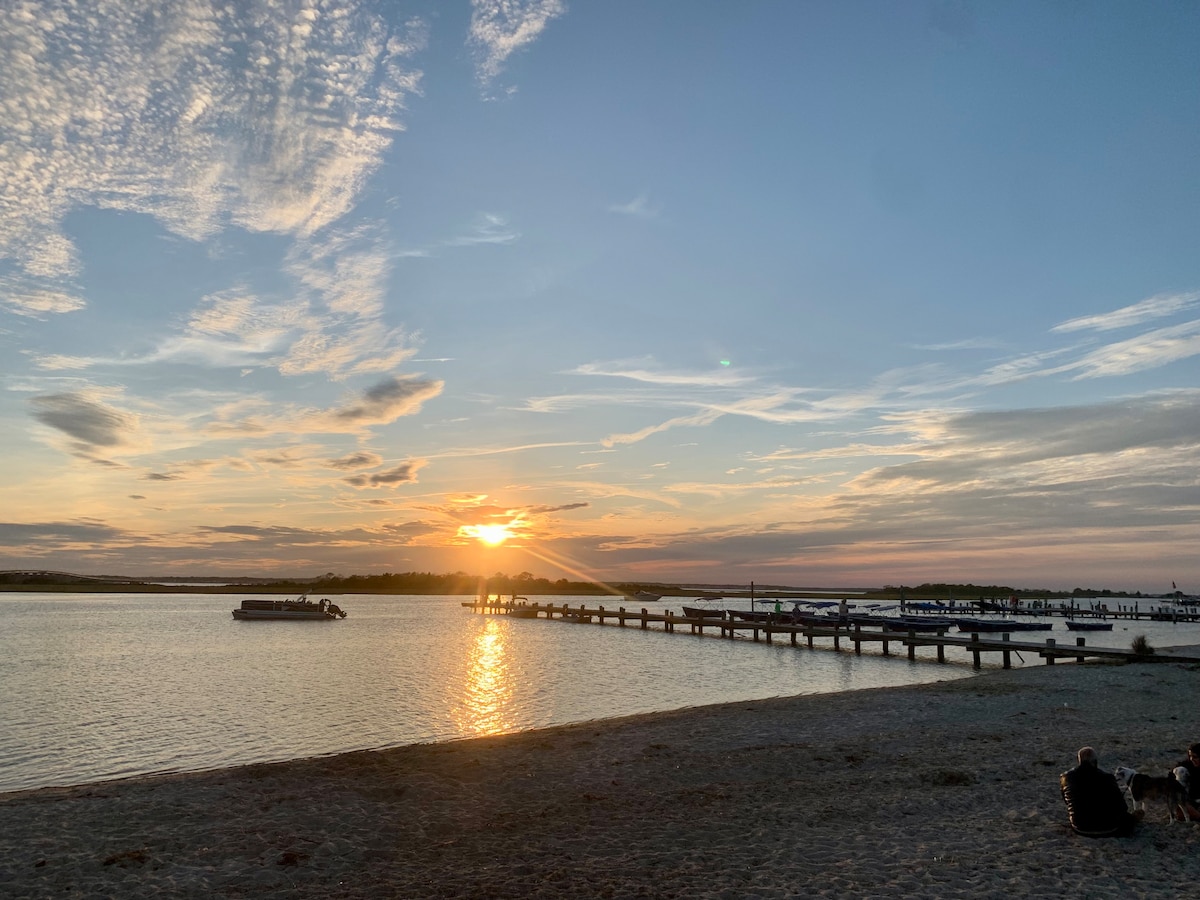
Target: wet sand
[{"x": 948, "y": 790}]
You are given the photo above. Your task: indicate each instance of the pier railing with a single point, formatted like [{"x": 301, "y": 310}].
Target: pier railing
[{"x": 853, "y": 633}]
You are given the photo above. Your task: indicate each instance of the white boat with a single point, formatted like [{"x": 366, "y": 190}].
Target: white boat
[
  {"x": 645, "y": 597},
  {"x": 301, "y": 609}
]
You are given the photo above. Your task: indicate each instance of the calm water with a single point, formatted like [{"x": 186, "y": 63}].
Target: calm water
[{"x": 112, "y": 685}]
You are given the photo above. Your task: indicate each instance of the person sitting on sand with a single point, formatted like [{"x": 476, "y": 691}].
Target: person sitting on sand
[
  {"x": 1095, "y": 803},
  {"x": 1192, "y": 764}
]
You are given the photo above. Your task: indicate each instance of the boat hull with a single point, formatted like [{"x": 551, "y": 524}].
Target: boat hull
[
  {"x": 746, "y": 615},
  {"x": 1001, "y": 625},
  {"x": 1089, "y": 626},
  {"x": 918, "y": 625},
  {"x": 283, "y": 614}
]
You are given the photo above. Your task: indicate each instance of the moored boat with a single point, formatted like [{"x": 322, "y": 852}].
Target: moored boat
[
  {"x": 645, "y": 597},
  {"x": 693, "y": 612},
  {"x": 300, "y": 609},
  {"x": 1073, "y": 625},
  {"x": 918, "y": 623},
  {"x": 746, "y": 615},
  {"x": 1001, "y": 625}
]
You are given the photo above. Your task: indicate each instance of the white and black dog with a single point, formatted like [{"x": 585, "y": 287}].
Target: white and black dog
[{"x": 1171, "y": 788}]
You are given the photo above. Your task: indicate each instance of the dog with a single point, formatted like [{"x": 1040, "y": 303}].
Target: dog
[
  {"x": 1172, "y": 789},
  {"x": 1184, "y": 790}
]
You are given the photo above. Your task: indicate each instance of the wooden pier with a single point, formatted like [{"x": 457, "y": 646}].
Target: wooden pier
[{"x": 854, "y": 634}]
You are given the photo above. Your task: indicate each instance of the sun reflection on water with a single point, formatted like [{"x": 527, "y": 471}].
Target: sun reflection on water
[{"x": 487, "y": 691}]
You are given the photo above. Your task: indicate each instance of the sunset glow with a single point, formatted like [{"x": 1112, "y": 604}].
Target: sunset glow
[
  {"x": 429, "y": 286},
  {"x": 492, "y": 534},
  {"x": 487, "y": 687}
]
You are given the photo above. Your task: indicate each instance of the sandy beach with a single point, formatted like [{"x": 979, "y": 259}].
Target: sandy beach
[{"x": 947, "y": 790}]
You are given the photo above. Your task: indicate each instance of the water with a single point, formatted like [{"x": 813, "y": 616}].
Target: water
[{"x": 101, "y": 686}]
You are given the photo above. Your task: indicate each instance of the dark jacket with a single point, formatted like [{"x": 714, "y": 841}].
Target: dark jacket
[{"x": 1095, "y": 804}]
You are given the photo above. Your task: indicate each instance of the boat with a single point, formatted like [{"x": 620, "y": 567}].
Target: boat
[
  {"x": 523, "y": 612},
  {"x": 812, "y": 618},
  {"x": 1088, "y": 626},
  {"x": 746, "y": 615},
  {"x": 1001, "y": 625},
  {"x": 300, "y": 609},
  {"x": 693, "y": 612},
  {"x": 918, "y": 623},
  {"x": 645, "y": 597}
]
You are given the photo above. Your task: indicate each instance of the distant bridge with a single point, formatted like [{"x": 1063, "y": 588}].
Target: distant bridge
[{"x": 50, "y": 573}]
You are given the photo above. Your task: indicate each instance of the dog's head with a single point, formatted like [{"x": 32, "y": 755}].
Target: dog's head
[
  {"x": 1181, "y": 774},
  {"x": 1125, "y": 774}
]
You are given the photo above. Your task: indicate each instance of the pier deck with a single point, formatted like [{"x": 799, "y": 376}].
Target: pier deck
[{"x": 854, "y": 633}]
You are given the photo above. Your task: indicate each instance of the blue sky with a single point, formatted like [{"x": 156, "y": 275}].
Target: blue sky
[{"x": 802, "y": 293}]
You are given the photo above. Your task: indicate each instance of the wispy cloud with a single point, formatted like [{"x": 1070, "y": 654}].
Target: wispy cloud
[
  {"x": 639, "y": 207},
  {"x": 733, "y": 489},
  {"x": 1155, "y": 307},
  {"x": 707, "y": 417},
  {"x": 319, "y": 95},
  {"x": 964, "y": 344},
  {"x": 488, "y": 228},
  {"x": 338, "y": 311},
  {"x": 23, "y": 297},
  {"x": 1019, "y": 368},
  {"x": 499, "y": 28},
  {"x": 1146, "y": 351},
  {"x": 645, "y": 371},
  {"x": 468, "y": 452}
]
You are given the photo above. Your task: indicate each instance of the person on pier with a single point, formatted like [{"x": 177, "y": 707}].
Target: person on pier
[{"x": 1095, "y": 803}]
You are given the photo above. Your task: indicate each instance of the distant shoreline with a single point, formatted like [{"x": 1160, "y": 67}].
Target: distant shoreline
[{"x": 665, "y": 591}]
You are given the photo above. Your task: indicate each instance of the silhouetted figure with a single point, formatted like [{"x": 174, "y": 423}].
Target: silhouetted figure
[
  {"x": 1095, "y": 802},
  {"x": 1192, "y": 764}
]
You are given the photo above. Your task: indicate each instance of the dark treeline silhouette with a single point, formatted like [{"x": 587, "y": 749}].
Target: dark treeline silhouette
[
  {"x": 989, "y": 591},
  {"x": 455, "y": 583},
  {"x": 524, "y": 584}
]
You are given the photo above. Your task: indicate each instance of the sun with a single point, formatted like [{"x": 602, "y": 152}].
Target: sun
[{"x": 492, "y": 535}]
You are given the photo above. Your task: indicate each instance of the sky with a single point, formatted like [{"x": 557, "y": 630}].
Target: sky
[{"x": 803, "y": 293}]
